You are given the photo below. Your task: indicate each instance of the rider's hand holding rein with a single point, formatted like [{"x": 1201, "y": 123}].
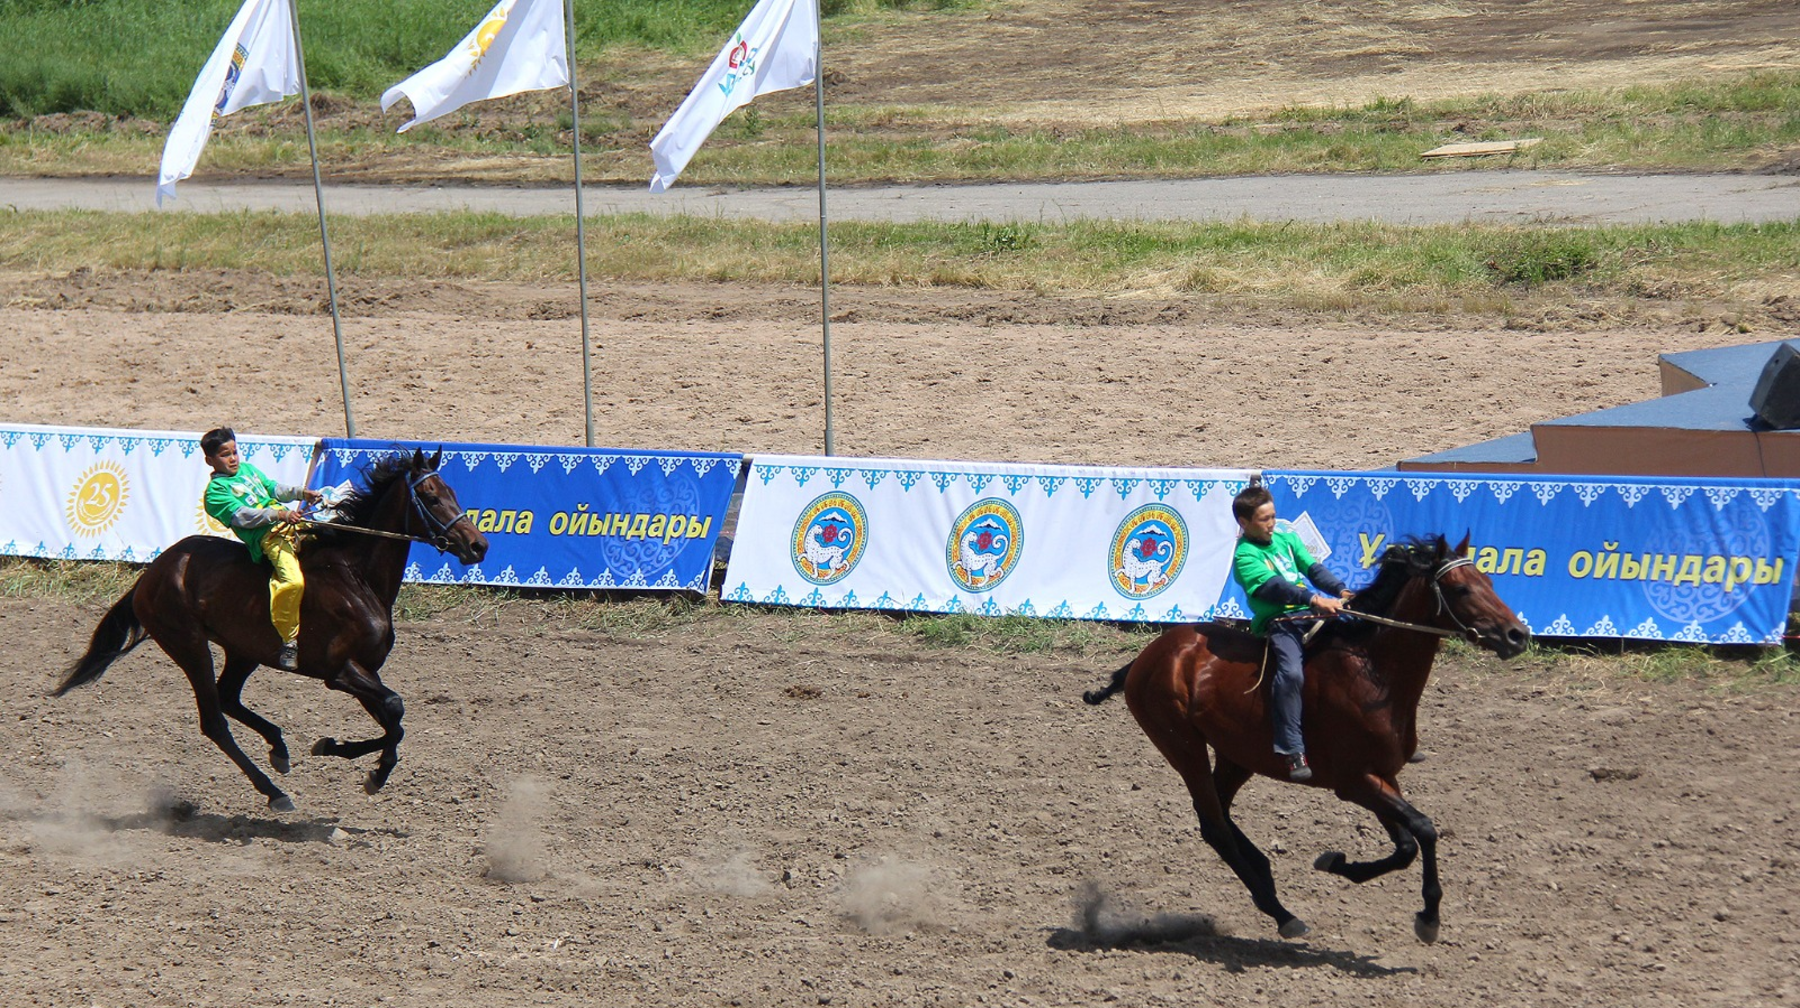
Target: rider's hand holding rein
[
  {"x": 1331, "y": 606},
  {"x": 292, "y": 516}
]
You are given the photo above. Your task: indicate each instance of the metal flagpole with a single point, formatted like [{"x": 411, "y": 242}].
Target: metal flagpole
[
  {"x": 587, "y": 369},
  {"x": 824, "y": 261},
  {"x": 312, "y": 147}
]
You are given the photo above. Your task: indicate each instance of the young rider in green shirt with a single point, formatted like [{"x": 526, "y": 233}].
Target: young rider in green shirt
[
  {"x": 1269, "y": 564},
  {"x": 250, "y": 504}
]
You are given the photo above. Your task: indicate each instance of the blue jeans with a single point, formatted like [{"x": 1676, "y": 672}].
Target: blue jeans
[{"x": 1287, "y": 647}]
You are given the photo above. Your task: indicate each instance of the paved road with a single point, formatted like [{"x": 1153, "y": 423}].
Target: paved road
[{"x": 1437, "y": 198}]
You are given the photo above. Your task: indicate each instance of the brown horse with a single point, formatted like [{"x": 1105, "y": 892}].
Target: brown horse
[
  {"x": 206, "y": 588},
  {"x": 1197, "y": 687}
]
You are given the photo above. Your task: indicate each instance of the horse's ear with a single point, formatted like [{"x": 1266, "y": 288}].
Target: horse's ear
[
  {"x": 1462, "y": 548},
  {"x": 437, "y": 457}
]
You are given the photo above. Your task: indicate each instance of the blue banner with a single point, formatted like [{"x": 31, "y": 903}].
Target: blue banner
[
  {"x": 568, "y": 517},
  {"x": 1661, "y": 558}
]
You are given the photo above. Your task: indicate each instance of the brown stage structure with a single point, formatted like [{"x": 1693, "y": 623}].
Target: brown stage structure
[{"x": 1703, "y": 425}]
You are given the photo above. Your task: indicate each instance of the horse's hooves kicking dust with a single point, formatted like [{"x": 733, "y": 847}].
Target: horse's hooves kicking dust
[
  {"x": 1195, "y": 689},
  {"x": 205, "y": 588}
]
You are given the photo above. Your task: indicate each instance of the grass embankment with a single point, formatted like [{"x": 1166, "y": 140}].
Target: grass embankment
[
  {"x": 1725, "y": 125},
  {"x": 637, "y": 60},
  {"x": 1578, "y": 667},
  {"x": 1320, "y": 266},
  {"x": 138, "y": 58}
]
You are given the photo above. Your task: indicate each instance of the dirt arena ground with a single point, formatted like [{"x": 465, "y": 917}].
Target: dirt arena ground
[
  {"x": 778, "y": 810},
  {"x": 920, "y": 373}
]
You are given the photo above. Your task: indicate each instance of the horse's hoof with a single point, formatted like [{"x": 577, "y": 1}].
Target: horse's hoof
[
  {"x": 324, "y": 747},
  {"x": 281, "y": 803},
  {"x": 376, "y": 780},
  {"x": 279, "y": 760},
  {"x": 1330, "y": 861},
  {"x": 1293, "y": 927},
  {"x": 1426, "y": 929}
]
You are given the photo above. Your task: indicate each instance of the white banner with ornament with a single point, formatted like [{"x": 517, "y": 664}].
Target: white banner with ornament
[
  {"x": 88, "y": 493},
  {"x": 1069, "y": 542}
]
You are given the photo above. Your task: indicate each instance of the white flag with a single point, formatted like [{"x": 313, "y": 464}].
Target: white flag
[
  {"x": 519, "y": 46},
  {"x": 255, "y": 63},
  {"x": 776, "y": 48}
]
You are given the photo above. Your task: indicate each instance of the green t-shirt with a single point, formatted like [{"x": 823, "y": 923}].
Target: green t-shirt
[
  {"x": 1252, "y": 564},
  {"x": 227, "y": 495}
]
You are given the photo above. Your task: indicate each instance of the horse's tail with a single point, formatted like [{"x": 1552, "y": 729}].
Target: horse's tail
[
  {"x": 119, "y": 631},
  {"x": 1100, "y": 695}
]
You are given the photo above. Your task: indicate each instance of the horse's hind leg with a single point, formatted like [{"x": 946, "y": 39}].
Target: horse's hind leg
[
  {"x": 1413, "y": 834},
  {"x": 195, "y": 659},
  {"x": 385, "y": 706},
  {"x": 231, "y": 689},
  {"x": 1216, "y": 827},
  {"x": 1228, "y": 779}
]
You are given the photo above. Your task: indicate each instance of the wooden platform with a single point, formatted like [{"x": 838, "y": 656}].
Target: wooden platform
[{"x": 1701, "y": 426}]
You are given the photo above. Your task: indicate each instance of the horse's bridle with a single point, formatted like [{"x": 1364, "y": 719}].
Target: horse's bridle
[
  {"x": 1443, "y": 606},
  {"x": 439, "y": 539}
]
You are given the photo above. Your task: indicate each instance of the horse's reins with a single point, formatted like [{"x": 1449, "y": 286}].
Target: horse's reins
[
  {"x": 440, "y": 537},
  {"x": 1462, "y": 630}
]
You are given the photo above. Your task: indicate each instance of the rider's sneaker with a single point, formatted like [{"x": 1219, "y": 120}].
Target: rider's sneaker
[
  {"x": 1297, "y": 768},
  {"x": 288, "y": 658}
]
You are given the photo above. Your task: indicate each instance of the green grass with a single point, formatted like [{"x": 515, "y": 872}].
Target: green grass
[
  {"x": 1024, "y": 634},
  {"x": 83, "y": 582},
  {"x": 1732, "y": 123},
  {"x": 1576, "y": 666},
  {"x": 139, "y": 57},
  {"x": 1311, "y": 265}
]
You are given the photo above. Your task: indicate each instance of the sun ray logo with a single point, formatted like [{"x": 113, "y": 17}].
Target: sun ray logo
[
  {"x": 206, "y": 523},
  {"x": 829, "y": 537},
  {"x": 1148, "y": 551},
  {"x": 232, "y": 72},
  {"x": 487, "y": 31},
  {"x": 98, "y": 498},
  {"x": 984, "y": 544}
]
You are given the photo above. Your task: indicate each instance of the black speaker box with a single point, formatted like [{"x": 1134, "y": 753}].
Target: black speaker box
[{"x": 1776, "y": 401}]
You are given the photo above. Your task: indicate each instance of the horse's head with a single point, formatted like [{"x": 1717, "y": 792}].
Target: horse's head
[
  {"x": 445, "y": 524},
  {"x": 1466, "y": 600}
]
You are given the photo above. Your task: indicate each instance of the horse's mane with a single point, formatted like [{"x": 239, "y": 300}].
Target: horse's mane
[
  {"x": 1414, "y": 556},
  {"x": 358, "y": 506}
]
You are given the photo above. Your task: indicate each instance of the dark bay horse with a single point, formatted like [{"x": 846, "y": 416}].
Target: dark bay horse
[
  {"x": 206, "y": 588},
  {"x": 1197, "y": 687}
]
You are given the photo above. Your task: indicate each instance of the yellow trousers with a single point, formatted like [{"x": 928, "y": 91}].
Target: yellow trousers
[{"x": 286, "y": 585}]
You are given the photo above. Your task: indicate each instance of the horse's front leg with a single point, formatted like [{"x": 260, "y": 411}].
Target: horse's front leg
[
  {"x": 1413, "y": 834},
  {"x": 385, "y": 706}
]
